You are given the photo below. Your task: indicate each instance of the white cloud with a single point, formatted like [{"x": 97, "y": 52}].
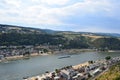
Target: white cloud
[
  {"x": 88, "y": 7},
  {"x": 40, "y": 13},
  {"x": 91, "y": 29},
  {"x": 13, "y": 3},
  {"x": 55, "y": 2},
  {"x": 35, "y": 0}
]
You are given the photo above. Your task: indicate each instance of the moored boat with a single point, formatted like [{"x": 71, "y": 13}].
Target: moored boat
[{"x": 64, "y": 57}]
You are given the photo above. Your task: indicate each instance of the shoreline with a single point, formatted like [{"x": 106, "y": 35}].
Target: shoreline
[
  {"x": 73, "y": 51},
  {"x": 13, "y": 58},
  {"x": 65, "y": 51},
  {"x": 113, "y": 50},
  {"x": 92, "y": 70},
  {"x": 74, "y": 67}
]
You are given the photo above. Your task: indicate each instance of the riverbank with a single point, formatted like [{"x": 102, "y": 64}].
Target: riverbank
[
  {"x": 73, "y": 51},
  {"x": 57, "y": 72},
  {"x": 113, "y": 50},
  {"x": 87, "y": 71},
  {"x": 64, "y": 51},
  {"x": 12, "y": 58}
]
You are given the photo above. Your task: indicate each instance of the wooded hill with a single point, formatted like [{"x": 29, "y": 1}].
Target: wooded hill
[{"x": 16, "y": 35}]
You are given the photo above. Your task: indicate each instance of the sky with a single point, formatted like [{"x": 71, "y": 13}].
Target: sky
[{"x": 65, "y": 15}]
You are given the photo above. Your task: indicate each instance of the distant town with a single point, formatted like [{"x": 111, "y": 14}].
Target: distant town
[{"x": 25, "y": 51}]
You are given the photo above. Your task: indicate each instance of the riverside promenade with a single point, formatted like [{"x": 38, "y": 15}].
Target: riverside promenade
[{"x": 83, "y": 71}]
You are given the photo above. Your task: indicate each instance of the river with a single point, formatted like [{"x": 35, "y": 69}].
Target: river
[{"x": 16, "y": 70}]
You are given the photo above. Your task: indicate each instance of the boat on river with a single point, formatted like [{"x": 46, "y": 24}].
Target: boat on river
[{"x": 64, "y": 57}]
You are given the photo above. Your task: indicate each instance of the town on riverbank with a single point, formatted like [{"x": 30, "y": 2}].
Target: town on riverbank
[
  {"x": 85, "y": 71},
  {"x": 20, "y": 52}
]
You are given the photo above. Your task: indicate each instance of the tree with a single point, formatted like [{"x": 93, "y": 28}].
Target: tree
[
  {"x": 90, "y": 62},
  {"x": 108, "y": 57},
  {"x": 26, "y": 54},
  {"x": 45, "y": 50}
]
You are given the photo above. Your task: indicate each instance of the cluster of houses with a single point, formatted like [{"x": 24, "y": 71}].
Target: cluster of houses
[
  {"x": 9, "y": 51},
  {"x": 85, "y": 71}
]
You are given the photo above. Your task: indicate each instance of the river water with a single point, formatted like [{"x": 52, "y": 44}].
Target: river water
[{"x": 16, "y": 70}]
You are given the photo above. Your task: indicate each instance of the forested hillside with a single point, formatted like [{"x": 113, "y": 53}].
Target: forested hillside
[{"x": 15, "y": 35}]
